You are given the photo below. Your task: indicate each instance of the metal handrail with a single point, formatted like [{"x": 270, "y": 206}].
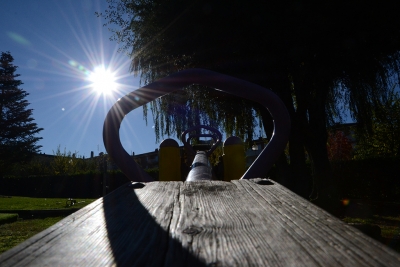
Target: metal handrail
[
  {"x": 201, "y": 168},
  {"x": 217, "y": 137},
  {"x": 178, "y": 81}
]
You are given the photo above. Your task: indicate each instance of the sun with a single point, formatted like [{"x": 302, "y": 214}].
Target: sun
[{"x": 103, "y": 80}]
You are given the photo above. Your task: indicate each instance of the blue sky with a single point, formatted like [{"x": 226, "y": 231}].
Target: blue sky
[{"x": 57, "y": 45}]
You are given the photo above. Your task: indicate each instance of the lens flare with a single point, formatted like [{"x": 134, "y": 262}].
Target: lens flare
[
  {"x": 18, "y": 38},
  {"x": 345, "y": 202}
]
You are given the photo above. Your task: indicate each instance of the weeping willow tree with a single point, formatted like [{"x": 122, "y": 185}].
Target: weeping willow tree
[
  {"x": 153, "y": 48},
  {"x": 383, "y": 139},
  {"x": 320, "y": 57},
  {"x": 198, "y": 105}
]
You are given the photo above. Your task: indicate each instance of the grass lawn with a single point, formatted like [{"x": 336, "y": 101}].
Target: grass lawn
[
  {"x": 387, "y": 217},
  {"x": 11, "y": 234},
  {"x": 390, "y": 226},
  {"x": 29, "y": 203},
  {"x": 8, "y": 218}
]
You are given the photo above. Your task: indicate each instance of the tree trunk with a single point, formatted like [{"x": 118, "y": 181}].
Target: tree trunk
[
  {"x": 324, "y": 191},
  {"x": 294, "y": 176},
  {"x": 301, "y": 178}
]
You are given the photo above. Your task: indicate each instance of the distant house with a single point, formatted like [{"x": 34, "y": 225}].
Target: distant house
[
  {"x": 147, "y": 160},
  {"x": 341, "y": 141},
  {"x": 150, "y": 160},
  {"x": 41, "y": 157},
  {"x": 347, "y": 129}
]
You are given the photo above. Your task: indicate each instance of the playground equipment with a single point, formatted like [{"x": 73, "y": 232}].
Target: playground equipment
[
  {"x": 178, "y": 81},
  {"x": 169, "y": 161},
  {"x": 200, "y": 168},
  {"x": 234, "y": 160}
]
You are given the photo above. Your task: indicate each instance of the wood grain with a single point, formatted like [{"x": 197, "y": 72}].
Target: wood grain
[
  {"x": 206, "y": 223},
  {"x": 126, "y": 228},
  {"x": 320, "y": 237}
]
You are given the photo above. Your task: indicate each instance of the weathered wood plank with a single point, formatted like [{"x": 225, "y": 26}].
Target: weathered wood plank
[
  {"x": 326, "y": 239},
  {"x": 127, "y": 228},
  {"x": 266, "y": 225},
  {"x": 215, "y": 228},
  {"x": 207, "y": 223}
]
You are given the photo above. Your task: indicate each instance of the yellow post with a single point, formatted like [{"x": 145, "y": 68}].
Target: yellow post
[
  {"x": 234, "y": 158},
  {"x": 169, "y": 161}
]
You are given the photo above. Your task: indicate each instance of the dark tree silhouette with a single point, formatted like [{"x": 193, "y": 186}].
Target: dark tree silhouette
[
  {"x": 17, "y": 130},
  {"x": 318, "y": 56}
]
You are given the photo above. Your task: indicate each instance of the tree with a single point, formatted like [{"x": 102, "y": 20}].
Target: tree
[
  {"x": 177, "y": 112},
  {"x": 384, "y": 138},
  {"x": 68, "y": 163},
  {"x": 318, "y": 56},
  {"x": 17, "y": 130}
]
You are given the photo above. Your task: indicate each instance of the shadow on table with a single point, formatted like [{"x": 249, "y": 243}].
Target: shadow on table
[{"x": 135, "y": 237}]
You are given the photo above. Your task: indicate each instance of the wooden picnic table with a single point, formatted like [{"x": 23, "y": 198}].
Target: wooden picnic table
[{"x": 203, "y": 223}]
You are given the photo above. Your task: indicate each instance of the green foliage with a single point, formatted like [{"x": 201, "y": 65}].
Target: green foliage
[
  {"x": 383, "y": 140},
  {"x": 63, "y": 162},
  {"x": 153, "y": 172},
  {"x": 35, "y": 166},
  {"x": 17, "y": 130},
  {"x": 67, "y": 163}
]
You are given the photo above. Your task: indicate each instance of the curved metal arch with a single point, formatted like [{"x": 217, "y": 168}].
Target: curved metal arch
[{"x": 178, "y": 81}]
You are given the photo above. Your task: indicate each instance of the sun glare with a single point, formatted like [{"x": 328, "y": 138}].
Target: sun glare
[{"x": 103, "y": 81}]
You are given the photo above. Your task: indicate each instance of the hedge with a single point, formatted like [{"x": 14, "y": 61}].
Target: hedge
[
  {"x": 374, "y": 179},
  {"x": 74, "y": 186}
]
